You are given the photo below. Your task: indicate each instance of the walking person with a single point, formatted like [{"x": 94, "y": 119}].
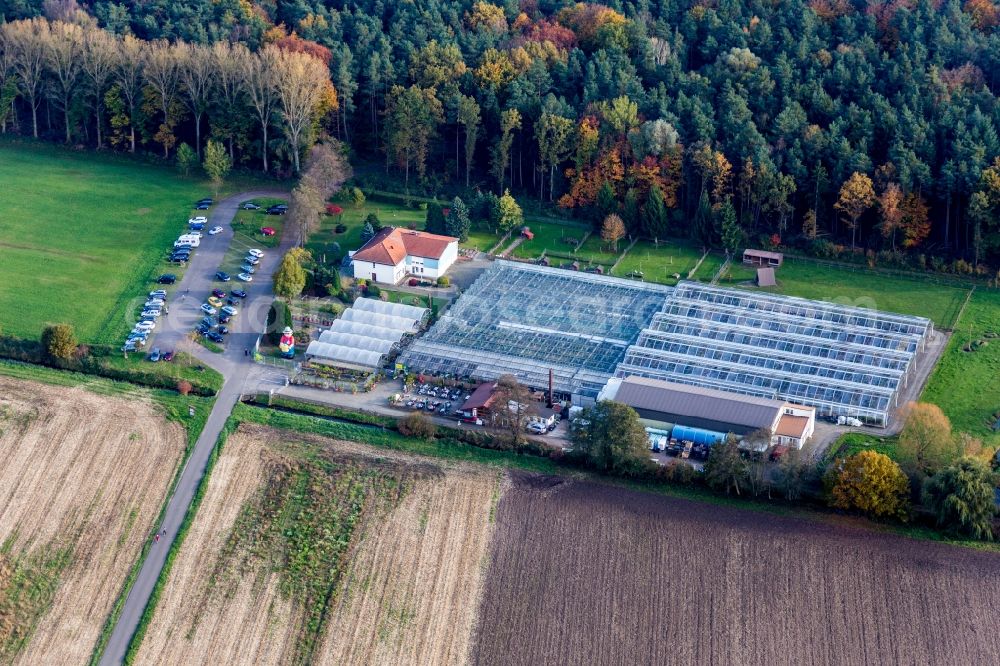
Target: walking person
[{"x": 156, "y": 538}]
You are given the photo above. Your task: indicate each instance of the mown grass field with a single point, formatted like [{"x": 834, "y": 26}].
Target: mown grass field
[
  {"x": 82, "y": 234},
  {"x": 938, "y": 302},
  {"x": 658, "y": 262},
  {"x": 248, "y": 223},
  {"x": 964, "y": 384},
  {"x": 327, "y": 241},
  {"x": 548, "y": 237}
]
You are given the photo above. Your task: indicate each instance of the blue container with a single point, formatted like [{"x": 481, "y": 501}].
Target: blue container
[{"x": 697, "y": 435}]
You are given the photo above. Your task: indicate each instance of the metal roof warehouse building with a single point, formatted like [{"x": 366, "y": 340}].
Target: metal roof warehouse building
[{"x": 663, "y": 404}]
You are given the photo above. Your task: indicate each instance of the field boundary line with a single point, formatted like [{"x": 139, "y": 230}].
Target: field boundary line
[
  {"x": 623, "y": 254},
  {"x": 961, "y": 310},
  {"x": 697, "y": 266},
  {"x": 722, "y": 269}
]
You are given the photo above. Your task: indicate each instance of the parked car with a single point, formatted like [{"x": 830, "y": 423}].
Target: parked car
[
  {"x": 245, "y": 277},
  {"x": 158, "y": 293},
  {"x": 249, "y": 205},
  {"x": 214, "y": 302},
  {"x": 151, "y": 312},
  {"x": 238, "y": 293},
  {"x": 277, "y": 209},
  {"x": 232, "y": 300},
  {"x": 849, "y": 421},
  {"x": 154, "y": 356},
  {"x": 168, "y": 356},
  {"x": 166, "y": 278},
  {"x": 214, "y": 337},
  {"x": 254, "y": 252},
  {"x": 223, "y": 276},
  {"x": 179, "y": 259},
  {"x": 208, "y": 309},
  {"x": 222, "y": 329},
  {"x": 207, "y": 321},
  {"x": 219, "y": 293},
  {"x": 199, "y": 219},
  {"x": 247, "y": 268},
  {"x": 214, "y": 230},
  {"x": 152, "y": 304},
  {"x": 202, "y": 329},
  {"x": 182, "y": 254},
  {"x": 250, "y": 259},
  {"x": 536, "y": 428},
  {"x": 224, "y": 318},
  {"x": 229, "y": 310},
  {"x": 267, "y": 231},
  {"x": 130, "y": 346},
  {"x": 777, "y": 452},
  {"x": 144, "y": 327},
  {"x": 202, "y": 206}
]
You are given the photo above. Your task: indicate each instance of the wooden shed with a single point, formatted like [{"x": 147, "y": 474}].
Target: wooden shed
[{"x": 762, "y": 258}]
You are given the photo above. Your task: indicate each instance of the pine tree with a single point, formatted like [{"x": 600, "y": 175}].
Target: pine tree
[
  {"x": 435, "y": 219},
  {"x": 457, "y": 223},
  {"x": 654, "y": 215}
]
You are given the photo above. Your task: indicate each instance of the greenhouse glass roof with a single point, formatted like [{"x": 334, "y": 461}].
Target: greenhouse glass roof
[
  {"x": 840, "y": 359},
  {"x": 525, "y": 319}
]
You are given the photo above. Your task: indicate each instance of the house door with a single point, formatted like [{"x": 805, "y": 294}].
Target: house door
[{"x": 373, "y": 278}]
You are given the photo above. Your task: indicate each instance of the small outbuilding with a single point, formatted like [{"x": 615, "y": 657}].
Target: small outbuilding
[
  {"x": 765, "y": 277},
  {"x": 762, "y": 258}
]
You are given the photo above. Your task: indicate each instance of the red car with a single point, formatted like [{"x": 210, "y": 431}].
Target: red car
[{"x": 268, "y": 231}]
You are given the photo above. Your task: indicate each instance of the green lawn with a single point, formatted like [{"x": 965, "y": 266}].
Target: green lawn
[
  {"x": 658, "y": 262},
  {"x": 326, "y": 241},
  {"x": 595, "y": 250},
  {"x": 964, "y": 384},
  {"x": 481, "y": 238},
  {"x": 854, "y": 442},
  {"x": 248, "y": 223},
  {"x": 548, "y": 237},
  {"x": 738, "y": 273},
  {"x": 81, "y": 236},
  {"x": 913, "y": 296},
  {"x": 709, "y": 267}
]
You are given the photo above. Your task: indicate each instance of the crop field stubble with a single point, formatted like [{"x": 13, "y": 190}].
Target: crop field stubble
[
  {"x": 588, "y": 573},
  {"x": 82, "y": 480},
  {"x": 405, "y": 589}
]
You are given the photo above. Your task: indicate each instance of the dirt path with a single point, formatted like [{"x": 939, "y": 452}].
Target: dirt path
[{"x": 88, "y": 474}]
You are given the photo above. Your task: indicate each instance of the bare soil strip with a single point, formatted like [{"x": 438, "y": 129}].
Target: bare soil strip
[
  {"x": 85, "y": 476},
  {"x": 410, "y": 584},
  {"x": 588, "y": 573}
]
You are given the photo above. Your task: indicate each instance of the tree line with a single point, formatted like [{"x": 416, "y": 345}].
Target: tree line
[
  {"x": 839, "y": 125},
  {"x": 83, "y": 84}
]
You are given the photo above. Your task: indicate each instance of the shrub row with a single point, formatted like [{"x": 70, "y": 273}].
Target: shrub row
[{"x": 89, "y": 361}]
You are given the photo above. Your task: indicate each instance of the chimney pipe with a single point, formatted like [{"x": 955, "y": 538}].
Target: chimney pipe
[{"x": 549, "y": 404}]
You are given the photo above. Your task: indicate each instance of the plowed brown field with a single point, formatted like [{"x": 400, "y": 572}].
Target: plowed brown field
[
  {"x": 409, "y": 588},
  {"x": 82, "y": 478},
  {"x": 583, "y": 573}
]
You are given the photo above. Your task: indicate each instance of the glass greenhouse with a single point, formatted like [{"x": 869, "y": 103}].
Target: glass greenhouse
[
  {"x": 525, "y": 320},
  {"x": 839, "y": 359}
]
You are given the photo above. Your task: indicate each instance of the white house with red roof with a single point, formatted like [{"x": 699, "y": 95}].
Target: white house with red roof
[{"x": 394, "y": 253}]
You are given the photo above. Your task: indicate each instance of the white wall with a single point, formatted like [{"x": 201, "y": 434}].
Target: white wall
[
  {"x": 383, "y": 274},
  {"x": 433, "y": 268}
]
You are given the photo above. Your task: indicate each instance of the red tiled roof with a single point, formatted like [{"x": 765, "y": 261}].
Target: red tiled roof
[
  {"x": 391, "y": 245},
  {"x": 481, "y": 398},
  {"x": 791, "y": 426}
]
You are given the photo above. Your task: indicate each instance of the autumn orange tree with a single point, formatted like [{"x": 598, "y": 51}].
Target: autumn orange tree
[
  {"x": 868, "y": 482},
  {"x": 612, "y": 231}
]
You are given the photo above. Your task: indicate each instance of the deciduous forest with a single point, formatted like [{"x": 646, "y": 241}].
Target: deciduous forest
[{"x": 842, "y": 126}]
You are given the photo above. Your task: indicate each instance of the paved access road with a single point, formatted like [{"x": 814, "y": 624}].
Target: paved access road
[{"x": 235, "y": 367}]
